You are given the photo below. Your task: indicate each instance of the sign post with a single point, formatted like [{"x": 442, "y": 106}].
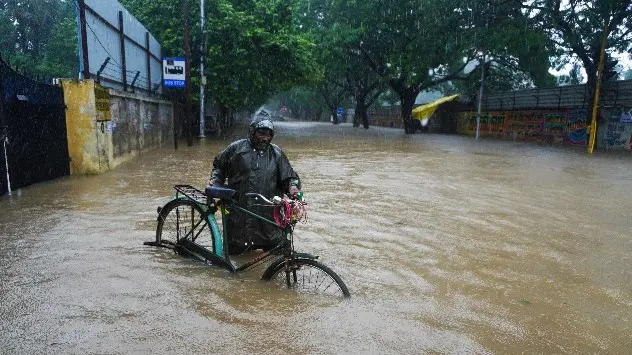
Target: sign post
[{"x": 174, "y": 76}]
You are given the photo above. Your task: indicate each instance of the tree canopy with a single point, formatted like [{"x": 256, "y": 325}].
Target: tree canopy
[
  {"x": 348, "y": 49},
  {"x": 254, "y": 48},
  {"x": 578, "y": 27},
  {"x": 39, "y": 36}
]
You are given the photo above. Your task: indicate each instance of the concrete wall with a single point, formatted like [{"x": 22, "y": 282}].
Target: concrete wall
[
  {"x": 565, "y": 126},
  {"x": 87, "y": 144},
  {"x": 614, "y": 130},
  {"x": 139, "y": 123},
  {"x": 110, "y": 127}
]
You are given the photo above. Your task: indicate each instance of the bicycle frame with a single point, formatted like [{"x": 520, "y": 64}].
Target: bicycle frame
[{"x": 219, "y": 255}]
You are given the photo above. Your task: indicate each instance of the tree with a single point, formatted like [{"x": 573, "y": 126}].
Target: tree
[
  {"x": 366, "y": 87},
  {"x": 334, "y": 90},
  {"x": 578, "y": 28},
  {"x": 411, "y": 45},
  {"x": 40, "y": 36},
  {"x": 303, "y": 103},
  {"x": 512, "y": 50},
  {"x": 627, "y": 75},
  {"x": 254, "y": 46}
]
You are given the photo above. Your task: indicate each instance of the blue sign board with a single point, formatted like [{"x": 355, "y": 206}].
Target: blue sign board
[
  {"x": 173, "y": 72},
  {"x": 168, "y": 83}
]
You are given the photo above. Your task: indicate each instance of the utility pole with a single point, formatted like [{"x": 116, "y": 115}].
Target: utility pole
[
  {"x": 202, "y": 77},
  {"x": 4, "y": 129},
  {"x": 84, "y": 70},
  {"x": 593, "y": 124},
  {"x": 187, "y": 59},
  {"x": 480, "y": 98}
]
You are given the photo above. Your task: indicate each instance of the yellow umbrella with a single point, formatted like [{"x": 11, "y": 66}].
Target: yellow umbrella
[{"x": 423, "y": 112}]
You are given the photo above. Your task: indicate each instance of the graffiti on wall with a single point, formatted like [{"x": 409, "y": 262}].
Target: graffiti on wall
[
  {"x": 526, "y": 125},
  {"x": 615, "y": 132},
  {"x": 549, "y": 126},
  {"x": 492, "y": 123},
  {"x": 576, "y": 127}
]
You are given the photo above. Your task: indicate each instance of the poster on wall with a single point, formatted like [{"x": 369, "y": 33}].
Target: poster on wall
[{"x": 102, "y": 103}]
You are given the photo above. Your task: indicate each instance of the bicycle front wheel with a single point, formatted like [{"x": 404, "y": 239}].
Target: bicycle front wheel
[{"x": 307, "y": 276}]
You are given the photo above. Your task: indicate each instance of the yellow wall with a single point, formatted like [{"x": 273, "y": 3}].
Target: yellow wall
[{"x": 89, "y": 146}]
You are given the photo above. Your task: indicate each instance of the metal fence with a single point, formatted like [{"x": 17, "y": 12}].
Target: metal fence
[
  {"x": 615, "y": 94},
  {"x": 116, "y": 49},
  {"x": 33, "y": 144}
]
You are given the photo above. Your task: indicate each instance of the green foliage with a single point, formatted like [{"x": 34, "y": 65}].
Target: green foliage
[
  {"x": 420, "y": 44},
  {"x": 578, "y": 27},
  {"x": 254, "y": 48},
  {"x": 512, "y": 42},
  {"x": 302, "y": 102},
  {"x": 40, "y": 36},
  {"x": 255, "y": 51},
  {"x": 574, "y": 77}
]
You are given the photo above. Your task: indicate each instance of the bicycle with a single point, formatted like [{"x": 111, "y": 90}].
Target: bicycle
[{"x": 183, "y": 220}]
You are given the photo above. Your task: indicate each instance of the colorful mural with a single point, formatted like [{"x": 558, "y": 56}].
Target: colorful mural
[
  {"x": 492, "y": 123},
  {"x": 548, "y": 126},
  {"x": 576, "y": 127}
]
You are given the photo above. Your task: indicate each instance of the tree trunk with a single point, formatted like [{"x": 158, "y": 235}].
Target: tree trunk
[
  {"x": 222, "y": 125},
  {"x": 357, "y": 116},
  {"x": 407, "y": 96},
  {"x": 407, "y": 102},
  {"x": 591, "y": 86},
  {"x": 361, "y": 111},
  {"x": 365, "y": 117}
]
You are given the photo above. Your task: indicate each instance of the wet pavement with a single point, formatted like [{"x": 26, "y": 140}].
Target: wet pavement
[{"x": 447, "y": 245}]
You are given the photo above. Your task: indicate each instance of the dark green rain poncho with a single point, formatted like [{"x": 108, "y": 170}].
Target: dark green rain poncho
[{"x": 267, "y": 172}]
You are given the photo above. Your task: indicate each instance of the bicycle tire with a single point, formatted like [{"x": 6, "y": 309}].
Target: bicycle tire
[
  {"x": 183, "y": 218},
  {"x": 276, "y": 273}
]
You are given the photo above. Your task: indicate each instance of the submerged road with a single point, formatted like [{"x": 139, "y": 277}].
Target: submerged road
[{"x": 447, "y": 244}]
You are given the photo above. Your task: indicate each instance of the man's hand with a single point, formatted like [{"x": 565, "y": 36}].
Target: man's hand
[{"x": 293, "y": 192}]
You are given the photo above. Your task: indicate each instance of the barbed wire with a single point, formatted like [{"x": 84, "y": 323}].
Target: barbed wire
[{"x": 115, "y": 72}]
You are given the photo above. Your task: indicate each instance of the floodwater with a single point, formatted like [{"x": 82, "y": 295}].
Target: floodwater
[{"x": 448, "y": 245}]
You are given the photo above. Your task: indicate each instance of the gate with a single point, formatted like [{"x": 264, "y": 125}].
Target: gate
[{"x": 33, "y": 121}]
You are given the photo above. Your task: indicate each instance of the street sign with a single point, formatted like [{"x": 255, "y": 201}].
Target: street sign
[
  {"x": 174, "y": 74},
  {"x": 340, "y": 111}
]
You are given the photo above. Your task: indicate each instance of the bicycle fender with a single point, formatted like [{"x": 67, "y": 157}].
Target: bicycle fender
[{"x": 160, "y": 208}]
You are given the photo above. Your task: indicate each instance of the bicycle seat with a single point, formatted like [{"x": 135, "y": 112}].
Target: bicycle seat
[{"x": 220, "y": 192}]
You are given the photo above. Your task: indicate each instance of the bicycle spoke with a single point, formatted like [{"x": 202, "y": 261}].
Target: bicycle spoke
[
  {"x": 184, "y": 221},
  {"x": 313, "y": 280}
]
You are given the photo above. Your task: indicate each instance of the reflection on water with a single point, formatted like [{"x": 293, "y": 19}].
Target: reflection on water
[{"x": 447, "y": 245}]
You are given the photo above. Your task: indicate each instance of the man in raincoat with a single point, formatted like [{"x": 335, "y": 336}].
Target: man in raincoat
[{"x": 254, "y": 164}]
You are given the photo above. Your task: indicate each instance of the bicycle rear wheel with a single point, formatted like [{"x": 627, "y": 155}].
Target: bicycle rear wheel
[
  {"x": 183, "y": 219},
  {"x": 307, "y": 276}
]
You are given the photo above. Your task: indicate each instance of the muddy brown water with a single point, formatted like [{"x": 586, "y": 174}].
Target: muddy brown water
[{"x": 448, "y": 245}]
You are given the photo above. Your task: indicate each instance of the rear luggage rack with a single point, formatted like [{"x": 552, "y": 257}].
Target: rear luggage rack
[{"x": 192, "y": 193}]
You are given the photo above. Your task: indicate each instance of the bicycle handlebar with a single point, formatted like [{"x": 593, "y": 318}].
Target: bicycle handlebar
[{"x": 275, "y": 200}]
